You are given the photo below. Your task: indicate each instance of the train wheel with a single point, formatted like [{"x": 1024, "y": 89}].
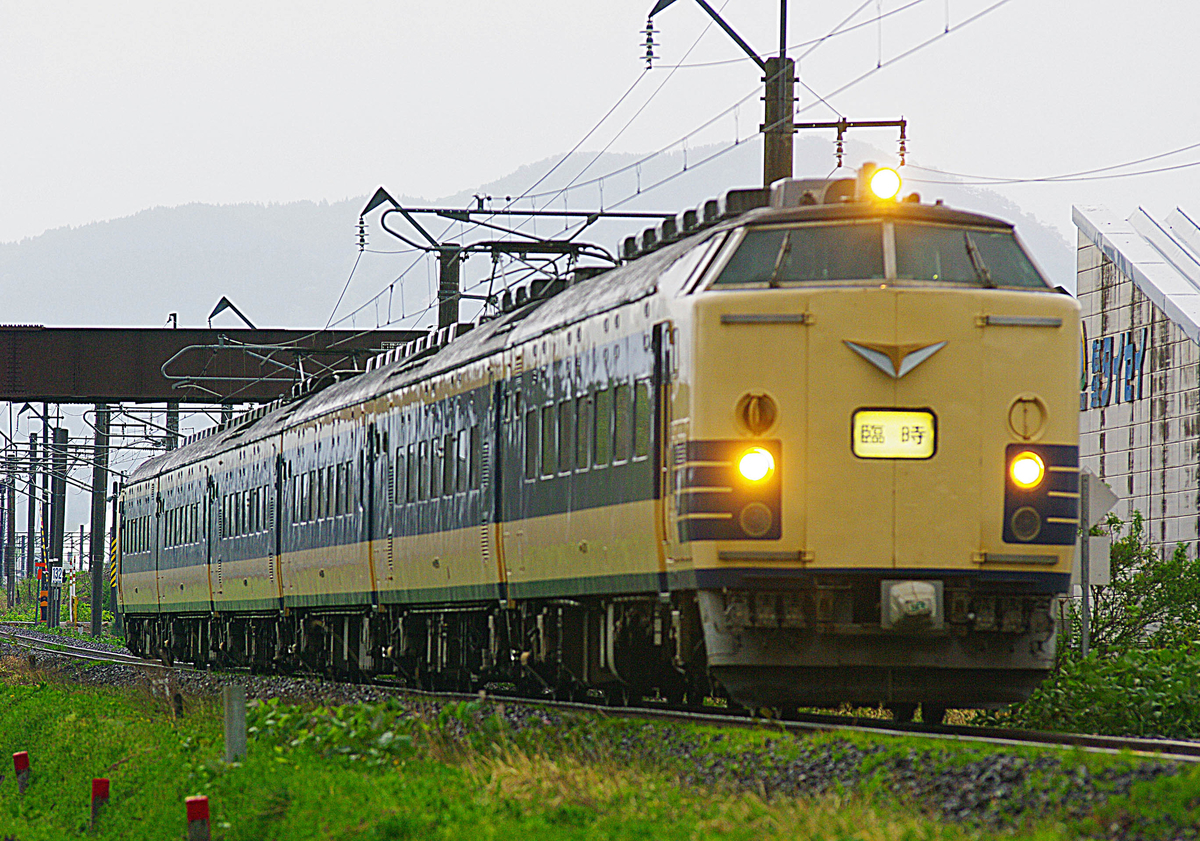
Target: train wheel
[{"x": 903, "y": 711}]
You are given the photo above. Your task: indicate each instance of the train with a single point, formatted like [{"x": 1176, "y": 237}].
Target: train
[{"x": 805, "y": 446}]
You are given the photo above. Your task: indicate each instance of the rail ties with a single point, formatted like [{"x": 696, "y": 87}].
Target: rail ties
[{"x": 1167, "y": 749}]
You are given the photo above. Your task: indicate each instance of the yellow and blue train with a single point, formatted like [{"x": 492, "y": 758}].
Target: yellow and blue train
[{"x": 805, "y": 446}]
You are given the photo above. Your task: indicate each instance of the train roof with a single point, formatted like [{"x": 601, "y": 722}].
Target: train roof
[{"x": 630, "y": 282}]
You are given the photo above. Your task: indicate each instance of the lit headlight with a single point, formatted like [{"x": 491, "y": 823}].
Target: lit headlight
[
  {"x": 885, "y": 183},
  {"x": 756, "y": 464},
  {"x": 1027, "y": 470}
]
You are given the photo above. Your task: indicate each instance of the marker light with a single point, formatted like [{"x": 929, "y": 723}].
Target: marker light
[
  {"x": 1027, "y": 470},
  {"x": 885, "y": 183},
  {"x": 756, "y": 464}
]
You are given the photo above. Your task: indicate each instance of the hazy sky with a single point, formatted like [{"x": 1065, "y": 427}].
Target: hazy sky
[{"x": 109, "y": 108}]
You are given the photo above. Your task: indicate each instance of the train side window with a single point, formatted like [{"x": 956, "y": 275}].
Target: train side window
[
  {"x": 549, "y": 442},
  {"x": 623, "y": 428},
  {"x": 476, "y": 457},
  {"x": 312, "y": 495},
  {"x": 566, "y": 435},
  {"x": 329, "y": 505},
  {"x": 583, "y": 432},
  {"x": 642, "y": 421},
  {"x": 414, "y": 473},
  {"x": 399, "y": 477},
  {"x": 322, "y": 496},
  {"x": 602, "y": 449},
  {"x": 450, "y": 463},
  {"x": 464, "y": 459},
  {"x": 424, "y": 470},
  {"x": 531, "y": 443},
  {"x": 435, "y": 468}
]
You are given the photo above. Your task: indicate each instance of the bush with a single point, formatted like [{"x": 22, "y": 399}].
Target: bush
[
  {"x": 1142, "y": 674},
  {"x": 1139, "y": 692},
  {"x": 1152, "y": 602}
]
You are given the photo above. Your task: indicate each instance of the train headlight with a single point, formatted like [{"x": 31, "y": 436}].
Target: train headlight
[
  {"x": 1027, "y": 470},
  {"x": 885, "y": 183},
  {"x": 756, "y": 464}
]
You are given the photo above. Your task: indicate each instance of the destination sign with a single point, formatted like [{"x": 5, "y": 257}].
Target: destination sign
[{"x": 894, "y": 433}]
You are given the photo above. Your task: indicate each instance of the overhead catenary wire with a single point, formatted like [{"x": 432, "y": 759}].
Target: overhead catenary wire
[{"x": 1080, "y": 175}]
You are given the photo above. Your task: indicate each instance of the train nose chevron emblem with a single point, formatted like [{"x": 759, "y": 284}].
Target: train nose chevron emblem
[{"x": 894, "y": 360}]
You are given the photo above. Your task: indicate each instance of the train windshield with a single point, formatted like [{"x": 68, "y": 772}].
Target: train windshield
[
  {"x": 813, "y": 253},
  {"x": 960, "y": 255}
]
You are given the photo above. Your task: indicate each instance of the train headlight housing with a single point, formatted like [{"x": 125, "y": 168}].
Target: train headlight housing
[
  {"x": 1027, "y": 470},
  {"x": 756, "y": 464},
  {"x": 885, "y": 183}
]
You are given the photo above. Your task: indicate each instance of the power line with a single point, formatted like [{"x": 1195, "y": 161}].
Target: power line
[{"x": 1081, "y": 175}]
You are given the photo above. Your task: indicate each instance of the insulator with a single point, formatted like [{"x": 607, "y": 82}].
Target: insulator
[{"x": 362, "y": 234}]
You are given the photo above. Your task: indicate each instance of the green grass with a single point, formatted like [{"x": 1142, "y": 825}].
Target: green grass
[{"x": 389, "y": 771}]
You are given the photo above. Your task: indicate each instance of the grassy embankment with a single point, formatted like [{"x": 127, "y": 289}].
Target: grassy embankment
[{"x": 383, "y": 771}]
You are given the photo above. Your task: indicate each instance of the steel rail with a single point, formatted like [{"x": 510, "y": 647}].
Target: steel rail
[
  {"x": 79, "y": 652},
  {"x": 801, "y": 724}
]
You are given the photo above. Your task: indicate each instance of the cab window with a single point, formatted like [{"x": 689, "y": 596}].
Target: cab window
[
  {"x": 978, "y": 256},
  {"x": 809, "y": 254}
]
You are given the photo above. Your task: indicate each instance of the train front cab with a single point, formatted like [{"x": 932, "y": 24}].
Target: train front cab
[{"x": 861, "y": 386}]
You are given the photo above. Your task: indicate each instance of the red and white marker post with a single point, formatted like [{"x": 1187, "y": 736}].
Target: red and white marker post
[
  {"x": 197, "y": 815},
  {"x": 99, "y": 798},
  {"x": 21, "y": 764}
]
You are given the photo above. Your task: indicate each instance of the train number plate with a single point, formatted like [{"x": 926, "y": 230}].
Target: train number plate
[{"x": 894, "y": 433}]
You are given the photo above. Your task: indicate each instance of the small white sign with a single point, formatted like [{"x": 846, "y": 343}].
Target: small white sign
[
  {"x": 1101, "y": 500},
  {"x": 56, "y": 576}
]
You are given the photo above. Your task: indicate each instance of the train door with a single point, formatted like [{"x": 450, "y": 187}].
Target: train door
[
  {"x": 848, "y": 498},
  {"x": 666, "y": 534},
  {"x": 938, "y": 521},
  {"x": 207, "y": 508},
  {"x": 490, "y": 424},
  {"x": 373, "y": 516},
  {"x": 509, "y": 472},
  {"x": 213, "y": 536},
  {"x": 275, "y": 517},
  {"x": 157, "y": 560},
  {"x": 383, "y": 508}
]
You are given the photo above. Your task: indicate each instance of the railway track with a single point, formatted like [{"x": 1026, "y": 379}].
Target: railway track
[
  {"x": 802, "y": 724},
  {"x": 76, "y": 652}
]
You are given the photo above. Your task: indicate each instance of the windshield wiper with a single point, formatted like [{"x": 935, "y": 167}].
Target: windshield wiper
[
  {"x": 980, "y": 267},
  {"x": 785, "y": 248}
]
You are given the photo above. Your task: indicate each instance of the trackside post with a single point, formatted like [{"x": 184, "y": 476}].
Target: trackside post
[
  {"x": 234, "y": 699},
  {"x": 197, "y": 816},
  {"x": 21, "y": 764},
  {"x": 99, "y": 798}
]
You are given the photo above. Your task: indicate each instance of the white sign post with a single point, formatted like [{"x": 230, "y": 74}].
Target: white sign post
[{"x": 1093, "y": 562}]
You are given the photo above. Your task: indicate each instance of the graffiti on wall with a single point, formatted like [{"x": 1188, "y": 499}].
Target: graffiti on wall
[{"x": 1112, "y": 371}]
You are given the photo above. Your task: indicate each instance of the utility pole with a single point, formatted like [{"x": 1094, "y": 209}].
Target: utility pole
[
  {"x": 58, "y": 520},
  {"x": 116, "y": 607},
  {"x": 5, "y": 551},
  {"x": 449, "y": 259},
  {"x": 99, "y": 483},
  {"x": 31, "y": 507},
  {"x": 10, "y": 536},
  {"x": 173, "y": 425},
  {"x": 779, "y": 74}
]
